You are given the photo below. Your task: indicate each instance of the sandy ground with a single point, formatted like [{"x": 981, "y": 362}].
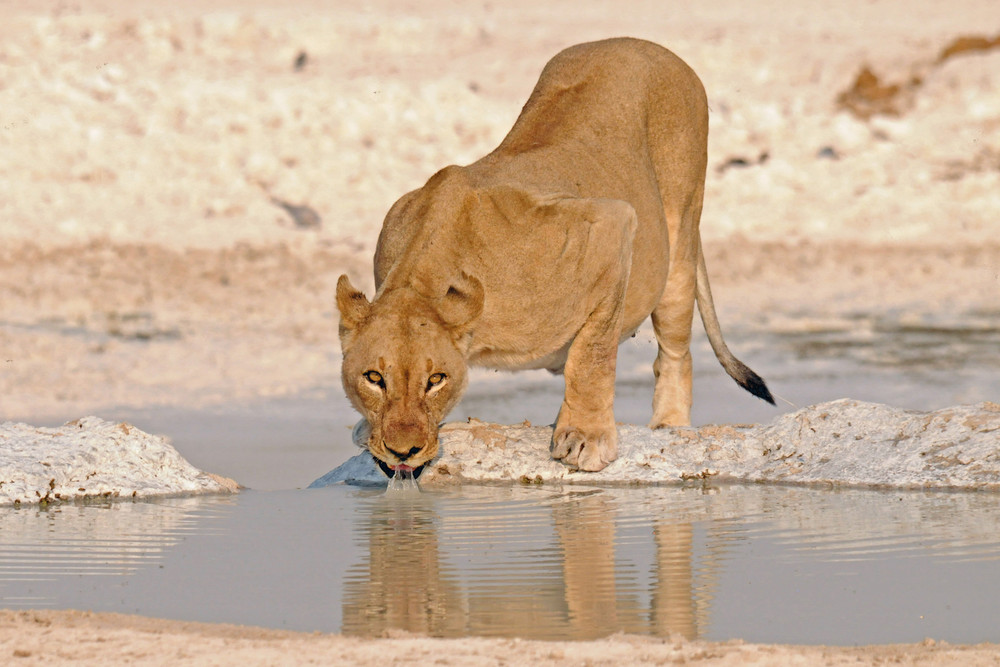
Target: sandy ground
[
  {"x": 155, "y": 159},
  {"x": 80, "y": 638},
  {"x": 147, "y": 151}
]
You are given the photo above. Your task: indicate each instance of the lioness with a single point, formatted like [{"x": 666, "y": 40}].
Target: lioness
[{"x": 546, "y": 253}]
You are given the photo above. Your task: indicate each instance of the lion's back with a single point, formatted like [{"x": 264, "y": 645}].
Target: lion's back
[{"x": 607, "y": 90}]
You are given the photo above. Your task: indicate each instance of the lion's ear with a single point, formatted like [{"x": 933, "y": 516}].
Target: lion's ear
[
  {"x": 354, "y": 307},
  {"x": 462, "y": 303}
]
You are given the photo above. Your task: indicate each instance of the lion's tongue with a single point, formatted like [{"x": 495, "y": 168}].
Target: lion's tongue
[{"x": 403, "y": 468}]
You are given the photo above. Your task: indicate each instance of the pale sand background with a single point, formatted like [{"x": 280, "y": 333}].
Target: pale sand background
[{"x": 143, "y": 261}]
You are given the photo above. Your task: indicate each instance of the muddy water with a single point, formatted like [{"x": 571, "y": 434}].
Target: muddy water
[
  {"x": 769, "y": 564},
  {"x": 760, "y": 563}
]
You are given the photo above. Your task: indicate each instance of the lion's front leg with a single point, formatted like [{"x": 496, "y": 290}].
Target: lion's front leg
[
  {"x": 588, "y": 447},
  {"x": 585, "y": 436}
]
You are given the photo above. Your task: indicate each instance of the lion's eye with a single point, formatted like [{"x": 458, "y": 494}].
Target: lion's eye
[
  {"x": 375, "y": 378},
  {"x": 435, "y": 380}
]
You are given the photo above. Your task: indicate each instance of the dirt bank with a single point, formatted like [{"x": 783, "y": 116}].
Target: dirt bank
[{"x": 83, "y": 638}]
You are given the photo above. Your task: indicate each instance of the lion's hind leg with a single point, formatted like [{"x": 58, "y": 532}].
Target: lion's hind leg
[
  {"x": 672, "y": 368},
  {"x": 672, "y": 320}
]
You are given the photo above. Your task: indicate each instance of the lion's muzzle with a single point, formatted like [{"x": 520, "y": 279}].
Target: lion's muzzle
[
  {"x": 391, "y": 471},
  {"x": 405, "y": 445}
]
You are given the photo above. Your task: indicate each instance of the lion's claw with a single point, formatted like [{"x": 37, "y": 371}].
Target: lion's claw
[{"x": 574, "y": 448}]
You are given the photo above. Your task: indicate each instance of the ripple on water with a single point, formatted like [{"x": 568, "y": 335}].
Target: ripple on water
[
  {"x": 761, "y": 563},
  {"x": 93, "y": 539}
]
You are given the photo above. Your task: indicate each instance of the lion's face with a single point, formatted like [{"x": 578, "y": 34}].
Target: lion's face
[{"x": 403, "y": 371}]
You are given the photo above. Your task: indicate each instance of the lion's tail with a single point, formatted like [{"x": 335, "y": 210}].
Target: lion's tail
[{"x": 736, "y": 369}]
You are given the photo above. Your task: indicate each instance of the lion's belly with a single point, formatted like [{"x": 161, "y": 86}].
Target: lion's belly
[
  {"x": 511, "y": 360},
  {"x": 540, "y": 339}
]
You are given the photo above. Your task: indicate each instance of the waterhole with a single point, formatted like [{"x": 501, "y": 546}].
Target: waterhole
[{"x": 760, "y": 563}]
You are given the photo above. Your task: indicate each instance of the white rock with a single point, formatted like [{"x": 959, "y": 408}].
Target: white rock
[
  {"x": 94, "y": 458},
  {"x": 843, "y": 442}
]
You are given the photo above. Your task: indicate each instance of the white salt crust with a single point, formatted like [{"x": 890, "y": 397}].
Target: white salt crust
[
  {"x": 91, "y": 458},
  {"x": 843, "y": 442}
]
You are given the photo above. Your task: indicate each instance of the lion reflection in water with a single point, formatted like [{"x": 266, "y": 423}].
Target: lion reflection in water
[{"x": 409, "y": 582}]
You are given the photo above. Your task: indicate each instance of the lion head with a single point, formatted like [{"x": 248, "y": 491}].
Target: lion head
[{"x": 404, "y": 364}]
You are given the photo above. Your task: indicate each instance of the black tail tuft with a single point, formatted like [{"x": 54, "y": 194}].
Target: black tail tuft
[{"x": 752, "y": 382}]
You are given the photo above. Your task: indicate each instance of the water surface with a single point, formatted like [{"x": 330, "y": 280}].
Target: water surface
[{"x": 761, "y": 563}]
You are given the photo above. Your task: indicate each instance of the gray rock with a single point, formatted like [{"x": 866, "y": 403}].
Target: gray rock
[
  {"x": 97, "y": 459},
  {"x": 843, "y": 443}
]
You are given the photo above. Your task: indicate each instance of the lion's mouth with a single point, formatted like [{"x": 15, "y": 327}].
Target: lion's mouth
[{"x": 390, "y": 471}]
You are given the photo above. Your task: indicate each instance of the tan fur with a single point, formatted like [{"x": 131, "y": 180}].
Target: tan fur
[{"x": 546, "y": 253}]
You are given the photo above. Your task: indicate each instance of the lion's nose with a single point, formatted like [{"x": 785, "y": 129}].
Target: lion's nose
[{"x": 404, "y": 455}]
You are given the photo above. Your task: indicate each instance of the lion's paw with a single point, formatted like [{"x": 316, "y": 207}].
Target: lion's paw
[{"x": 586, "y": 451}]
